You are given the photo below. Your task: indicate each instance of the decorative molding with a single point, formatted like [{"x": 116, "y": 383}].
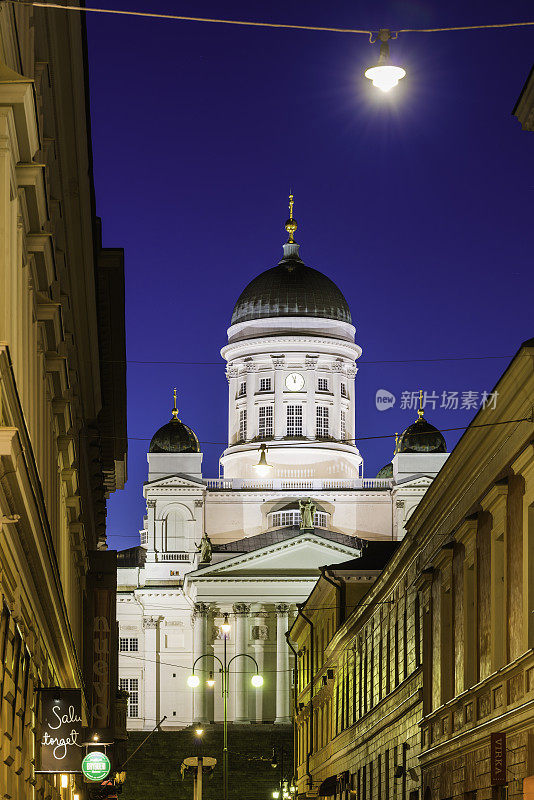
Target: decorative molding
[
  {"x": 241, "y": 609},
  {"x": 199, "y": 503},
  {"x": 259, "y": 633},
  {"x": 232, "y": 372},
  {"x": 150, "y": 623},
  {"x": 200, "y": 609},
  {"x": 151, "y": 504},
  {"x": 282, "y": 608}
]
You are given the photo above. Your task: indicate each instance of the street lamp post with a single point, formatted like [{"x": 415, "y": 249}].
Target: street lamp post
[{"x": 194, "y": 681}]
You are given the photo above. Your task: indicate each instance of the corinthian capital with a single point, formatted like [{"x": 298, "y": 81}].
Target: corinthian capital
[
  {"x": 241, "y": 608},
  {"x": 282, "y": 608}
]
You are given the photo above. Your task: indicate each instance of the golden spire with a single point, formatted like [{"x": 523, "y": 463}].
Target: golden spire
[
  {"x": 291, "y": 224},
  {"x": 420, "y": 410},
  {"x": 396, "y": 443},
  {"x": 174, "y": 410}
]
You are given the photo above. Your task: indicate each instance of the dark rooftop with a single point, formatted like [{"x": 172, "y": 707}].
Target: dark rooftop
[
  {"x": 132, "y": 557},
  {"x": 375, "y": 556},
  {"x": 252, "y": 543}
]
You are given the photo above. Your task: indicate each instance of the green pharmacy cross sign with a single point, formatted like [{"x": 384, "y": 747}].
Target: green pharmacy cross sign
[{"x": 96, "y": 766}]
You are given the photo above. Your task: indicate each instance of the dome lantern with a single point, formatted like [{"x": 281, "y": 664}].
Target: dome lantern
[{"x": 421, "y": 436}]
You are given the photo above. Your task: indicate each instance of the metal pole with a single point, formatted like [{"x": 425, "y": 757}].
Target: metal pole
[
  {"x": 199, "y": 779},
  {"x": 225, "y": 725}
]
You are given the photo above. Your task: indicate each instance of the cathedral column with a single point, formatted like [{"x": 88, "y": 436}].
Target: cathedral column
[
  {"x": 231, "y": 377},
  {"x": 279, "y": 421},
  {"x": 241, "y": 665},
  {"x": 151, "y": 685},
  {"x": 151, "y": 529},
  {"x": 252, "y": 425},
  {"x": 310, "y": 425},
  {"x": 351, "y": 389},
  {"x": 200, "y": 619},
  {"x": 282, "y": 665},
  {"x": 260, "y": 633},
  {"x": 337, "y": 374}
]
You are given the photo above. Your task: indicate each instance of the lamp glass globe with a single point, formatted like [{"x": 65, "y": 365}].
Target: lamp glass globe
[
  {"x": 193, "y": 681},
  {"x": 257, "y": 681},
  {"x": 385, "y": 76}
]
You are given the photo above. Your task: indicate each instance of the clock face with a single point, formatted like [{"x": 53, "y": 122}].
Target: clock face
[{"x": 294, "y": 382}]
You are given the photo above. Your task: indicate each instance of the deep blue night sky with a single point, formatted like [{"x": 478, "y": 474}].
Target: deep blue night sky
[{"x": 417, "y": 204}]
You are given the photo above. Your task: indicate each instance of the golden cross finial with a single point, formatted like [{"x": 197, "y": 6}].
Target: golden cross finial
[
  {"x": 291, "y": 224},
  {"x": 420, "y": 410},
  {"x": 175, "y": 410},
  {"x": 396, "y": 443}
]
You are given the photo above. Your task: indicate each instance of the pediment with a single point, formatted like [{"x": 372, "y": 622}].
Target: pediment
[
  {"x": 417, "y": 482},
  {"x": 173, "y": 482},
  {"x": 299, "y": 556}
]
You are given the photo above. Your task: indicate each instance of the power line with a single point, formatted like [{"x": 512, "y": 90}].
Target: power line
[
  {"x": 252, "y": 24},
  {"x": 439, "y": 359}
]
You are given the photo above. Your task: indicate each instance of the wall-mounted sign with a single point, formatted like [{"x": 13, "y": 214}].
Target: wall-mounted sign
[
  {"x": 96, "y": 766},
  {"x": 61, "y": 737},
  {"x": 102, "y": 627},
  {"x": 498, "y": 758}
]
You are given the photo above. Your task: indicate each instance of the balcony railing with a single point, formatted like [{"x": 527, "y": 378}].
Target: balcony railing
[
  {"x": 173, "y": 557},
  {"x": 312, "y": 484}
]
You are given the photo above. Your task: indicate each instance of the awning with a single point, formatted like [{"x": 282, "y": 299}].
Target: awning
[{"x": 328, "y": 787}]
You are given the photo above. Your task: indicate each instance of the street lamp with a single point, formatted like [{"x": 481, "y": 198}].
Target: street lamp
[
  {"x": 194, "y": 681},
  {"x": 385, "y": 75}
]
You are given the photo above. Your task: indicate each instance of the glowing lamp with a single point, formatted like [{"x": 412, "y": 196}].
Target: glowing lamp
[
  {"x": 256, "y": 681},
  {"x": 64, "y": 781},
  {"x": 262, "y": 468},
  {"x": 211, "y": 681},
  {"x": 276, "y": 794},
  {"x": 225, "y": 627},
  {"x": 193, "y": 681},
  {"x": 385, "y": 75},
  {"x": 199, "y": 731}
]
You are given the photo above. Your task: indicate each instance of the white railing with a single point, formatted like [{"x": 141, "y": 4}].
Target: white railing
[
  {"x": 144, "y": 537},
  {"x": 296, "y": 483},
  {"x": 173, "y": 557}
]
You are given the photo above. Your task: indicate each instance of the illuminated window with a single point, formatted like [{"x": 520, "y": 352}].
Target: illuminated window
[
  {"x": 322, "y": 421},
  {"x": 284, "y": 519},
  {"x": 265, "y": 384},
  {"x": 243, "y": 424},
  {"x": 131, "y": 685},
  {"x": 294, "y": 420},
  {"x": 322, "y": 384},
  {"x": 265, "y": 422}
]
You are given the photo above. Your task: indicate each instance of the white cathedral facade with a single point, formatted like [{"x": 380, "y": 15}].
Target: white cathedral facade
[{"x": 291, "y": 364}]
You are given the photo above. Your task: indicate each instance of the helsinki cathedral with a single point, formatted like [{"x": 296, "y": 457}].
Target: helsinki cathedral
[{"x": 223, "y": 562}]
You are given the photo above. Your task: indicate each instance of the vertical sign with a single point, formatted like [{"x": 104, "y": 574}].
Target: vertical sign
[
  {"x": 498, "y": 758},
  {"x": 61, "y": 734},
  {"x": 102, "y": 626}
]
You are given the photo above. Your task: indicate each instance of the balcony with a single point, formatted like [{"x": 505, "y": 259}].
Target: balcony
[{"x": 313, "y": 484}]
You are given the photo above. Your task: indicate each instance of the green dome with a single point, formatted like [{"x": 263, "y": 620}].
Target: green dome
[
  {"x": 174, "y": 437},
  {"x": 421, "y": 437},
  {"x": 386, "y": 472},
  {"x": 291, "y": 289}
]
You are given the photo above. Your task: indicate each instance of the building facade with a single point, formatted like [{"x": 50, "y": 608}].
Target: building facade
[
  {"x": 250, "y": 544},
  {"x": 415, "y": 666},
  {"x": 62, "y": 405}
]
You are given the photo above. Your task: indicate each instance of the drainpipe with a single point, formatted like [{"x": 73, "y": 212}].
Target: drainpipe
[
  {"x": 295, "y": 694},
  {"x": 340, "y": 592},
  {"x": 309, "y": 749}
]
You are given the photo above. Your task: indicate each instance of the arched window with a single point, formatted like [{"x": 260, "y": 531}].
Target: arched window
[{"x": 174, "y": 531}]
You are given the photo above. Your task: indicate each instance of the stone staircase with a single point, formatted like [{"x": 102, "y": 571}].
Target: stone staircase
[{"x": 154, "y": 772}]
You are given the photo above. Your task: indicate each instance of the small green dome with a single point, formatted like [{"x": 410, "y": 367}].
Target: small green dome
[
  {"x": 174, "y": 437},
  {"x": 386, "y": 472},
  {"x": 421, "y": 437}
]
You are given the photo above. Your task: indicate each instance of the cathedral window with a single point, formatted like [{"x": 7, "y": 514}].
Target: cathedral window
[
  {"x": 322, "y": 421},
  {"x": 343, "y": 425},
  {"x": 294, "y": 420},
  {"x": 265, "y": 422},
  {"x": 242, "y": 389},
  {"x": 128, "y": 645},
  {"x": 344, "y": 390},
  {"x": 322, "y": 384},
  {"x": 243, "y": 424},
  {"x": 265, "y": 384},
  {"x": 131, "y": 685}
]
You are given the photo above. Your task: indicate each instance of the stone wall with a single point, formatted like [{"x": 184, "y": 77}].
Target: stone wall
[{"x": 154, "y": 772}]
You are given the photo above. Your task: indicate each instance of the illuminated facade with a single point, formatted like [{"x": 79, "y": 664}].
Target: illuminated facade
[
  {"x": 62, "y": 431},
  {"x": 233, "y": 545}
]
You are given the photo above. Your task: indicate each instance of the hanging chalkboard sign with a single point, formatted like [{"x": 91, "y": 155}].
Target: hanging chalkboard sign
[{"x": 61, "y": 731}]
